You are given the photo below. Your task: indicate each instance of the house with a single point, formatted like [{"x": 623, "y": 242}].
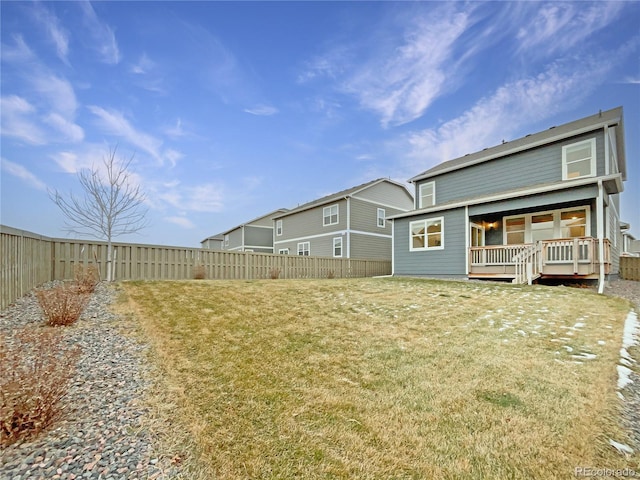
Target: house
[
  {"x": 349, "y": 224},
  {"x": 545, "y": 205},
  {"x": 630, "y": 246},
  {"x": 213, "y": 242},
  {"x": 253, "y": 236}
]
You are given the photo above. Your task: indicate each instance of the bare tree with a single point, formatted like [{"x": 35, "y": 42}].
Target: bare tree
[{"x": 111, "y": 206}]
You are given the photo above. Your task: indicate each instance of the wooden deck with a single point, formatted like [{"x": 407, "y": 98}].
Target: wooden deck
[{"x": 562, "y": 258}]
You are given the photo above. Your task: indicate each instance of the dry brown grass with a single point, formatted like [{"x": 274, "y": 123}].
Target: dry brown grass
[{"x": 386, "y": 378}]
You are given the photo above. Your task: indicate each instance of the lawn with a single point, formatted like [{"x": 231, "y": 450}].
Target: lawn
[{"x": 384, "y": 378}]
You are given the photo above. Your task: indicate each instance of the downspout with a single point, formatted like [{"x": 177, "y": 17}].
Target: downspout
[
  {"x": 348, "y": 226},
  {"x": 393, "y": 247},
  {"x": 467, "y": 243},
  {"x": 600, "y": 227}
]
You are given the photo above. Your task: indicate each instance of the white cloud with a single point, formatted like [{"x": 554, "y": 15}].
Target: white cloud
[
  {"x": 58, "y": 92},
  {"x": 559, "y": 26},
  {"x": 500, "y": 116},
  {"x": 116, "y": 124},
  {"x": 57, "y": 34},
  {"x": 143, "y": 66},
  {"x": 20, "y": 52},
  {"x": 262, "y": 110},
  {"x": 175, "y": 131},
  {"x": 103, "y": 36},
  {"x": 70, "y": 130},
  {"x": 208, "y": 197},
  {"x": 21, "y": 172},
  {"x": 17, "y": 120},
  {"x": 173, "y": 156},
  {"x": 181, "y": 222}
]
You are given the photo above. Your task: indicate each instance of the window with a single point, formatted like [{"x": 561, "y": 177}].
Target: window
[
  {"x": 426, "y": 234},
  {"x": 530, "y": 228},
  {"x": 515, "y": 230},
  {"x": 304, "y": 248},
  {"x": 579, "y": 160},
  {"x": 573, "y": 223},
  {"x": 283, "y": 251},
  {"x": 226, "y": 240},
  {"x": 278, "y": 227},
  {"x": 330, "y": 215},
  {"x": 381, "y": 217},
  {"x": 337, "y": 247},
  {"x": 427, "y": 195}
]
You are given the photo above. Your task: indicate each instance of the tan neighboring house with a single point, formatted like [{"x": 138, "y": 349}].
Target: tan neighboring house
[
  {"x": 213, "y": 242},
  {"x": 348, "y": 224}
]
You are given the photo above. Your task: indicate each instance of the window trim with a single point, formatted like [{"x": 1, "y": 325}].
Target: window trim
[
  {"x": 325, "y": 216},
  {"x": 278, "y": 228},
  {"x": 226, "y": 240},
  {"x": 420, "y": 195},
  {"x": 337, "y": 240},
  {"x": 383, "y": 218},
  {"x": 593, "y": 163},
  {"x": 426, "y": 247},
  {"x": 308, "y": 249},
  {"x": 283, "y": 251}
]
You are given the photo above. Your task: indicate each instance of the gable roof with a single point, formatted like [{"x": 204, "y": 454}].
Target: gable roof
[
  {"x": 349, "y": 192},
  {"x": 600, "y": 120},
  {"x": 217, "y": 236}
]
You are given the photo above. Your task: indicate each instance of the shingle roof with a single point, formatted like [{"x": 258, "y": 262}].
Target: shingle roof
[{"x": 593, "y": 122}]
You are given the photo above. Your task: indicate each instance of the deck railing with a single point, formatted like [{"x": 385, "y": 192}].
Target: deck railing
[{"x": 568, "y": 256}]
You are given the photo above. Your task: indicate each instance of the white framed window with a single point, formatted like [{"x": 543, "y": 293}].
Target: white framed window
[
  {"x": 427, "y": 195},
  {"x": 330, "y": 215},
  {"x": 283, "y": 251},
  {"x": 579, "y": 160},
  {"x": 381, "y": 216},
  {"x": 226, "y": 240},
  {"x": 304, "y": 248},
  {"x": 426, "y": 234},
  {"x": 337, "y": 247},
  {"x": 278, "y": 227},
  {"x": 572, "y": 222}
]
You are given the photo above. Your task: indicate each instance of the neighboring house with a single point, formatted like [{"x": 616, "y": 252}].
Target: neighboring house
[
  {"x": 544, "y": 205},
  {"x": 213, "y": 243},
  {"x": 253, "y": 236},
  {"x": 348, "y": 224},
  {"x": 630, "y": 246}
]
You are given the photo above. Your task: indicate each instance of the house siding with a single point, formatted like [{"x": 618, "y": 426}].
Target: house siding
[
  {"x": 370, "y": 247},
  {"x": 522, "y": 170},
  {"x": 309, "y": 222},
  {"x": 387, "y": 194},
  {"x": 258, "y": 237},
  {"x": 235, "y": 240},
  {"x": 450, "y": 262}
]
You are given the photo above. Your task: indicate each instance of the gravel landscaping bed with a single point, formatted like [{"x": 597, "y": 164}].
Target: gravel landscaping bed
[{"x": 101, "y": 435}]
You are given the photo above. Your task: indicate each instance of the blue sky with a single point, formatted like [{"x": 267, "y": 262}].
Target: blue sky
[{"x": 234, "y": 109}]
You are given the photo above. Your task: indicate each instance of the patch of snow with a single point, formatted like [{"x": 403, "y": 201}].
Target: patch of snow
[
  {"x": 601, "y": 342},
  {"x": 621, "y": 447},
  {"x": 568, "y": 348},
  {"x": 623, "y": 376},
  {"x": 585, "y": 355},
  {"x": 579, "y": 325},
  {"x": 522, "y": 332}
]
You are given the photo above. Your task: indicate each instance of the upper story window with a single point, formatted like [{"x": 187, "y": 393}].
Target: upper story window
[
  {"x": 330, "y": 215},
  {"x": 226, "y": 240},
  {"x": 278, "y": 227},
  {"x": 283, "y": 251},
  {"x": 381, "y": 217},
  {"x": 579, "y": 160},
  {"x": 426, "y": 234},
  {"x": 427, "y": 196}
]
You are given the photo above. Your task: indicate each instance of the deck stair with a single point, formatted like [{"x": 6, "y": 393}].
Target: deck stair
[{"x": 528, "y": 264}]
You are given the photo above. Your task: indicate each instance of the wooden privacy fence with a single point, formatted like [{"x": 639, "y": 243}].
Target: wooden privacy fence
[
  {"x": 29, "y": 260},
  {"x": 630, "y": 268}
]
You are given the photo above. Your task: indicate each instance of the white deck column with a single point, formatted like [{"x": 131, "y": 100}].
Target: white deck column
[{"x": 600, "y": 227}]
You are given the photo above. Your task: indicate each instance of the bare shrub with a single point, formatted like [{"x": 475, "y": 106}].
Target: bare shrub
[
  {"x": 330, "y": 274},
  {"x": 35, "y": 372},
  {"x": 86, "y": 278},
  {"x": 274, "y": 273},
  {"x": 62, "y": 305},
  {"x": 199, "y": 272}
]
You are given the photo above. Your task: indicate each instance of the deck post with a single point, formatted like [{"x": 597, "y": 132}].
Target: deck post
[{"x": 600, "y": 226}]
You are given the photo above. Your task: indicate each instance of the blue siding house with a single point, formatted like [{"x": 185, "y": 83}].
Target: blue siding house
[{"x": 545, "y": 205}]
